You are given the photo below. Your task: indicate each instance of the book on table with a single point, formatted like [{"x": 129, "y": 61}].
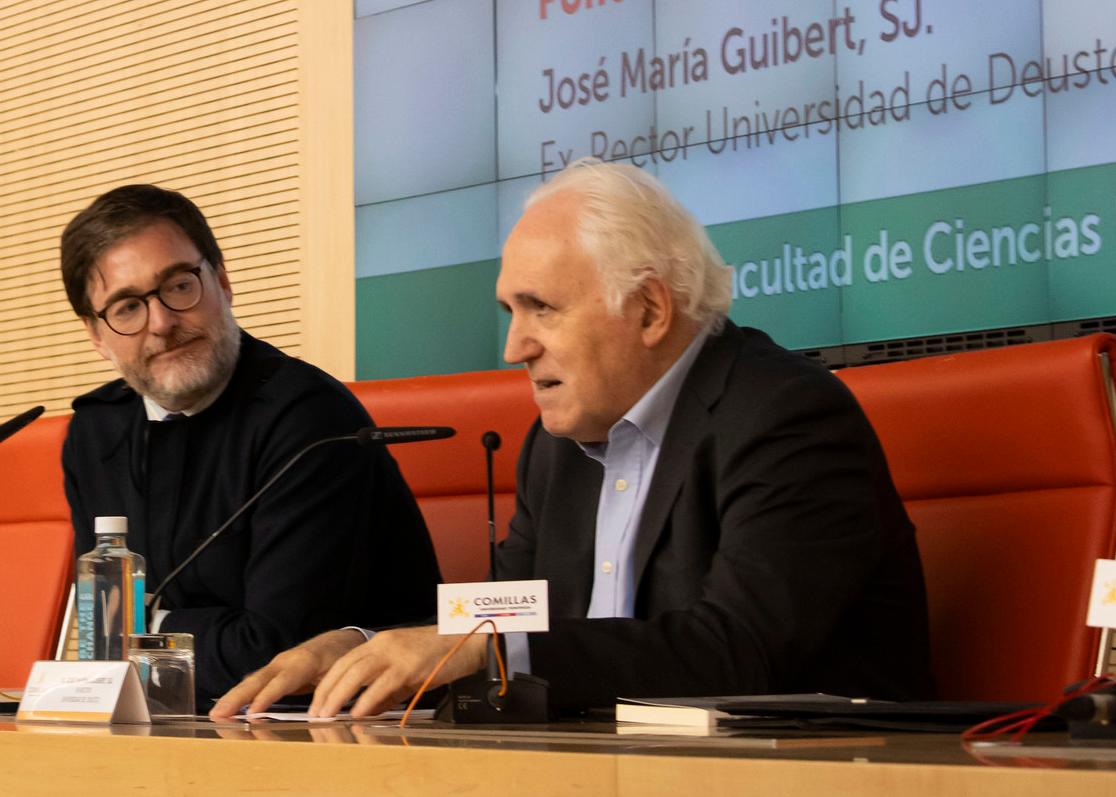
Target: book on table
[
  {"x": 699, "y": 712},
  {"x": 812, "y": 712}
]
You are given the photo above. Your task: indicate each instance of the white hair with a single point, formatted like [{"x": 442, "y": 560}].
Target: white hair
[{"x": 633, "y": 229}]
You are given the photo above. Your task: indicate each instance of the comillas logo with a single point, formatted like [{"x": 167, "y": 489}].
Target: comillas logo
[
  {"x": 486, "y": 606},
  {"x": 1110, "y": 593},
  {"x": 505, "y": 600},
  {"x": 457, "y": 607},
  {"x": 511, "y": 605}
]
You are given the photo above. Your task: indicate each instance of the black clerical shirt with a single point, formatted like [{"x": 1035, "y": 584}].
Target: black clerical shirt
[{"x": 337, "y": 541}]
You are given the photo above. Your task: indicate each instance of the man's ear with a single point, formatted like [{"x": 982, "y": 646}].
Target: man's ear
[
  {"x": 657, "y": 311},
  {"x": 95, "y": 336},
  {"x": 223, "y": 281}
]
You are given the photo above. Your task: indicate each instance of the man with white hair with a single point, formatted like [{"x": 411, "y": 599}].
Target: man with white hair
[{"x": 714, "y": 514}]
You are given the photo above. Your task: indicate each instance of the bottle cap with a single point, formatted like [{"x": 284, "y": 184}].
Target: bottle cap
[
  {"x": 110, "y": 525},
  {"x": 176, "y": 641}
]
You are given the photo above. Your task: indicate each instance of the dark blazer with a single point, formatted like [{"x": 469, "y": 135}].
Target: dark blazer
[
  {"x": 773, "y": 554},
  {"x": 337, "y": 541}
]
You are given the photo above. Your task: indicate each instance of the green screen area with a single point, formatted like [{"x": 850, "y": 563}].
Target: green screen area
[
  {"x": 1029, "y": 250},
  {"x": 436, "y": 321},
  {"x": 1085, "y": 287},
  {"x": 1023, "y": 251},
  {"x": 759, "y": 250}
]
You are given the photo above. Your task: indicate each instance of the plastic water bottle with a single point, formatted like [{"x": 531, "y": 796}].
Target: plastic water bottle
[{"x": 110, "y": 585}]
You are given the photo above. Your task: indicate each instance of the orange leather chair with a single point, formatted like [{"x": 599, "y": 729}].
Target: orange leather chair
[
  {"x": 1006, "y": 461},
  {"x": 37, "y": 540},
  {"x": 448, "y": 476}
]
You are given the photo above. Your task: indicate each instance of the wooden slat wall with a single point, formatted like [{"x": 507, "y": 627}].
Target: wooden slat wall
[{"x": 209, "y": 97}]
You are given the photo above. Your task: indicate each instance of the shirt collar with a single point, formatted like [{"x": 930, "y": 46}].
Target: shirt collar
[
  {"x": 651, "y": 414},
  {"x": 158, "y": 413}
]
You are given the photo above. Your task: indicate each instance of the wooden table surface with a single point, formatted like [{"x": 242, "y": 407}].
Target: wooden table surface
[{"x": 368, "y": 758}]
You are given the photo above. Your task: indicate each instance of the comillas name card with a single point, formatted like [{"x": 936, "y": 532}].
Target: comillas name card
[
  {"x": 511, "y": 605},
  {"x": 1102, "y": 601},
  {"x": 84, "y": 691}
]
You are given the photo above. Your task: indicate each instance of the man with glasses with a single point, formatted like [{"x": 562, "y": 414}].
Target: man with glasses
[{"x": 203, "y": 416}]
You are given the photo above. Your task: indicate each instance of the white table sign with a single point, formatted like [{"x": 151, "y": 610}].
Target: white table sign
[
  {"x": 1102, "y": 601},
  {"x": 511, "y": 605},
  {"x": 84, "y": 691}
]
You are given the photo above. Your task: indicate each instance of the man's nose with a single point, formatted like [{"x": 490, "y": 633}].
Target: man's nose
[
  {"x": 160, "y": 318},
  {"x": 520, "y": 346}
]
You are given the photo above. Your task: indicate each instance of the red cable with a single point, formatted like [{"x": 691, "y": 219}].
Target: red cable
[{"x": 1021, "y": 722}]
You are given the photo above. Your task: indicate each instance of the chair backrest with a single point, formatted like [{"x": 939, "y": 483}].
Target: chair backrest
[
  {"x": 448, "y": 476},
  {"x": 1006, "y": 461},
  {"x": 37, "y": 540}
]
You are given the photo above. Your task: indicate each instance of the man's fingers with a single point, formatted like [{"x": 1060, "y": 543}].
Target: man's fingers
[
  {"x": 333, "y": 674},
  {"x": 347, "y": 677},
  {"x": 288, "y": 673},
  {"x": 382, "y": 695},
  {"x": 292, "y": 672},
  {"x": 391, "y": 665},
  {"x": 257, "y": 691},
  {"x": 243, "y": 693},
  {"x": 325, "y": 686},
  {"x": 339, "y": 651},
  {"x": 283, "y": 683}
]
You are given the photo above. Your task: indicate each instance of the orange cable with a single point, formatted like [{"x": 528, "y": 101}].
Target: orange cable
[{"x": 445, "y": 658}]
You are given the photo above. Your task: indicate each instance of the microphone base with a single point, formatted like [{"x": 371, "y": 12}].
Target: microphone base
[
  {"x": 475, "y": 700},
  {"x": 1092, "y": 732}
]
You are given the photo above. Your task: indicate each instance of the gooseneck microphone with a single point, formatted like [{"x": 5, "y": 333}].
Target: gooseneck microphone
[
  {"x": 477, "y": 698},
  {"x": 491, "y": 442},
  {"x": 8, "y": 428},
  {"x": 387, "y": 435},
  {"x": 369, "y": 436}
]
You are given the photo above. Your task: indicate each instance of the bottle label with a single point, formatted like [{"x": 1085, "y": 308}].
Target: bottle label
[
  {"x": 85, "y": 619},
  {"x": 139, "y": 625}
]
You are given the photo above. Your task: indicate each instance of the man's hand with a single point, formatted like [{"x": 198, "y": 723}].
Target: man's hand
[
  {"x": 293, "y": 671},
  {"x": 393, "y": 665}
]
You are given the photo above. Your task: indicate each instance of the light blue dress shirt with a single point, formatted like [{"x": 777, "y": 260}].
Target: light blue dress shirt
[{"x": 629, "y": 458}]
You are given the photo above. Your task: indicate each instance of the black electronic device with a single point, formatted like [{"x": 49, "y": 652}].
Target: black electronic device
[
  {"x": 1091, "y": 717},
  {"x": 476, "y": 699}
]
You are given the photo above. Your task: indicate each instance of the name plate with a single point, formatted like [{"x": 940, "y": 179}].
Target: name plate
[
  {"x": 511, "y": 605},
  {"x": 1102, "y": 600},
  {"x": 84, "y": 691}
]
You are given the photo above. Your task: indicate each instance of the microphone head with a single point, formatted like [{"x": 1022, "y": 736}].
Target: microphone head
[
  {"x": 490, "y": 440},
  {"x": 388, "y": 435}
]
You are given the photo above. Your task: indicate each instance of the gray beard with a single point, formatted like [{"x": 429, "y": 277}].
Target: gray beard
[{"x": 194, "y": 379}]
